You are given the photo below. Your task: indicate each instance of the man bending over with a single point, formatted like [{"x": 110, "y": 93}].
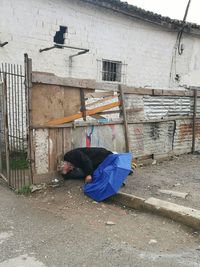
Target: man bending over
[{"x": 85, "y": 160}]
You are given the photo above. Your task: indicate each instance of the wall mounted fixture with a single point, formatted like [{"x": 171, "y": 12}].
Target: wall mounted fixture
[{"x": 3, "y": 44}]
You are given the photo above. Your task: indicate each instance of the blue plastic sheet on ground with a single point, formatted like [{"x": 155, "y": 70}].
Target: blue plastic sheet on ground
[{"x": 109, "y": 176}]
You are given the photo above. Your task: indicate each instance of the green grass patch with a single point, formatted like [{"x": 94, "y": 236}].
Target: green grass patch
[
  {"x": 24, "y": 190},
  {"x": 19, "y": 164}
]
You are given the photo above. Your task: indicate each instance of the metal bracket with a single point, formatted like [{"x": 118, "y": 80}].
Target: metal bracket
[
  {"x": 3, "y": 44},
  {"x": 83, "y": 51}
]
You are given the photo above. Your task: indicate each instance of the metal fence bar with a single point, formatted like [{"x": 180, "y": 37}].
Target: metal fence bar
[{"x": 14, "y": 161}]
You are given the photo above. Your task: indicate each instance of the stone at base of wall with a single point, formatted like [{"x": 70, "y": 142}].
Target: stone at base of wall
[
  {"x": 46, "y": 178},
  {"x": 181, "y": 214}
]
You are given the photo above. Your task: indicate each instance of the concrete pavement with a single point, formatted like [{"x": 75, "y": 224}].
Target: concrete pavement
[{"x": 61, "y": 229}]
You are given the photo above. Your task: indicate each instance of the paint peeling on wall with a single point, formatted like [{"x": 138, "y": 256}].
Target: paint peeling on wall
[{"x": 41, "y": 151}]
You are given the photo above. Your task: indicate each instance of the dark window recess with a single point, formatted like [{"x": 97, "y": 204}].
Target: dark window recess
[
  {"x": 111, "y": 71},
  {"x": 59, "y": 37}
]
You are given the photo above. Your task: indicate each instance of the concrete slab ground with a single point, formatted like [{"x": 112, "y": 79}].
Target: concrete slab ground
[
  {"x": 62, "y": 227},
  {"x": 180, "y": 174}
]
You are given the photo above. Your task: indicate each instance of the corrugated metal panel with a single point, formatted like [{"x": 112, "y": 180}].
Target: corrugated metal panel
[
  {"x": 135, "y": 106},
  {"x": 151, "y": 138},
  {"x": 109, "y": 136},
  {"x": 183, "y": 135},
  {"x": 156, "y": 107},
  {"x": 192, "y": 106}
]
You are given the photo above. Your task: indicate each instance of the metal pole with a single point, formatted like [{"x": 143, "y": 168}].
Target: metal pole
[
  {"x": 194, "y": 122},
  {"x": 6, "y": 130},
  {"x": 1, "y": 125},
  {"x": 125, "y": 119}
]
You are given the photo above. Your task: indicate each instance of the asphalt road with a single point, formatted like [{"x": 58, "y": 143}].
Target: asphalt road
[{"x": 64, "y": 228}]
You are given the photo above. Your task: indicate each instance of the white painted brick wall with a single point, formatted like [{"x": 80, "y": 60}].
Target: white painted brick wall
[{"x": 147, "y": 50}]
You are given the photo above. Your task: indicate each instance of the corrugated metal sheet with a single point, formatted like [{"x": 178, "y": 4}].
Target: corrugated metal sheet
[
  {"x": 151, "y": 138},
  {"x": 156, "y": 107},
  {"x": 192, "y": 106},
  {"x": 135, "y": 106},
  {"x": 109, "y": 136},
  {"x": 183, "y": 135}
]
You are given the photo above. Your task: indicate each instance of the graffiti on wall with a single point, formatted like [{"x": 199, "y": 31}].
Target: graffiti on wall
[{"x": 89, "y": 133}]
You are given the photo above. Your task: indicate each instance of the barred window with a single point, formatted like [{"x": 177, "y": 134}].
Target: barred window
[{"x": 111, "y": 71}]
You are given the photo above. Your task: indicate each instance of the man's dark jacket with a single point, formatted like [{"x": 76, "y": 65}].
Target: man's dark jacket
[{"x": 87, "y": 159}]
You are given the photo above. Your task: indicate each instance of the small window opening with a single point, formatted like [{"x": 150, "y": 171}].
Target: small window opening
[
  {"x": 111, "y": 70},
  {"x": 59, "y": 37}
]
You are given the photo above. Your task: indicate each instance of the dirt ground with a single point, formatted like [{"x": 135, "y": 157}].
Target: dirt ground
[
  {"x": 62, "y": 227},
  {"x": 180, "y": 174}
]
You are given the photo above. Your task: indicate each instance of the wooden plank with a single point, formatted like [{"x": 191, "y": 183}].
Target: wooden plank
[
  {"x": 156, "y": 92},
  {"x": 101, "y": 101},
  {"x": 109, "y": 112},
  {"x": 52, "y": 148},
  {"x": 50, "y": 102},
  {"x": 51, "y": 79},
  {"x": 56, "y": 147},
  {"x": 119, "y": 121},
  {"x": 79, "y": 115},
  {"x": 138, "y": 91},
  {"x": 67, "y": 139},
  {"x": 98, "y": 94}
]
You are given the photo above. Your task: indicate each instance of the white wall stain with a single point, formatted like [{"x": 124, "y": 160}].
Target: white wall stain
[
  {"x": 4, "y": 236},
  {"x": 22, "y": 261}
]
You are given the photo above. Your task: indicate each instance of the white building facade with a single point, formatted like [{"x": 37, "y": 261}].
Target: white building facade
[{"x": 125, "y": 44}]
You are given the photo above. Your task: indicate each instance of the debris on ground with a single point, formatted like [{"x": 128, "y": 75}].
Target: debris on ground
[
  {"x": 38, "y": 187},
  {"x": 110, "y": 223},
  {"x": 55, "y": 183},
  {"x": 153, "y": 241},
  {"x": 174, "y": 193}
]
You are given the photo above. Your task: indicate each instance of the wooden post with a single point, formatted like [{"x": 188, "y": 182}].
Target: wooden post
[
  {"x": 83, "y": 108},
  {"x": 194, "y": 122},
  {"x": 28, "y": 85},
  {"x": 125, "y": 119}
]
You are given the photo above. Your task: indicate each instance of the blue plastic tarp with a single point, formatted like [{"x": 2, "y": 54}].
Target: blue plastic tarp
[{"x": 108, "y": 178}]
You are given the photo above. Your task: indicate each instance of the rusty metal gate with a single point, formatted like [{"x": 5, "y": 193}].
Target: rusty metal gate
[{"x": 14, "y": 163}]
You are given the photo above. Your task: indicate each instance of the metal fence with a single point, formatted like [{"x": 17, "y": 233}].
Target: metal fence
[{"x": 14, "y": 165}]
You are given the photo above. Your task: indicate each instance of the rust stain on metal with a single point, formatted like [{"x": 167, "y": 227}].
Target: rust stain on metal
[{"x": 186, "y": 130}]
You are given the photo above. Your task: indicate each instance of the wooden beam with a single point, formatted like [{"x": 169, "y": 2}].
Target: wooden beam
[
  {"x": 98, "y": 94},
  {"x": 79, "y": 115},
  {"x": 83, "y": 107},
  {"x": 101, "y": 100},
  {"x": 125, "y": 119}
]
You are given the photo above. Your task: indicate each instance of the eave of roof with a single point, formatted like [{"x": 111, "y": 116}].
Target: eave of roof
[{"x": 139, "y": 13}]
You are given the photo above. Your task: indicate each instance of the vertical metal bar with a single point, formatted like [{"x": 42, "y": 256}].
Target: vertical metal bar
[
  {"x": 23, "y": 129},
  {"x": 1, "y": 126},
  {"x": 6, "y": 128},
  {"x": 194, "y": 122},
  {"x": 125, "y": 119},
  {"x": 14, "y": 155},
  {"x": 18, "y": 106},
  {"x": 10, "y": 111},
  {"x": 14, "y": 119}
]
